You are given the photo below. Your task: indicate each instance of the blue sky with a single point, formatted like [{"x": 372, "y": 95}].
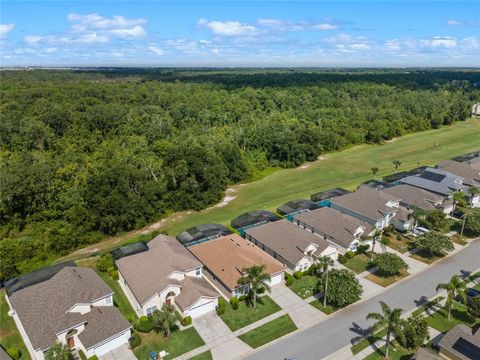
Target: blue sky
[{"x": 248, "y": 33}]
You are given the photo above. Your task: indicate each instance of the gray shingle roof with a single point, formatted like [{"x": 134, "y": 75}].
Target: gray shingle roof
[
  {"x": 287, "y": 239},
  {"x": 146, "y": 273},
  {"x": 4, "y": 355},
  {"x": 436, "y": 180},
  {"x": 368, "y": 202},
  {"x": 416, "y": 197},
  {"x": 470, "y": 175},
  {"x": 337, "y": 226},
  {"x": 42, "y": 308},
  {"x": 194, "y": 288},
  {"x": 459, "y": 332}
]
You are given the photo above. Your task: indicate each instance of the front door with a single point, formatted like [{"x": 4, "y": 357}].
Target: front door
[
  {"x": 71, "y": 343},
  {"x": 168, "y": 301}
]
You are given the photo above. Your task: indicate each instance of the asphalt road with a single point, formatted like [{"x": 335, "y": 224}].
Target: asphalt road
[{"x": 340, "y": 330}]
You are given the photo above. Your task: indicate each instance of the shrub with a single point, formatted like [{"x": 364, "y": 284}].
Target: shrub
[
  {"x": 415, "y": 332},
  {"x": 144, "y": 324},
  {"x": 82, "y": 355},
  {"x": 398, "y": 237},
  {"x": 135, "y": 340},
  {"x": 362, "y": 249},
  {"x": 105, "y": 262},
  {"x": 234, "y": 303},
  {"x": 437, "y": 219},
  {"x": 434, "y": 243},
  {"x": 14, "y": 353},
  {"x": 389, "y": 264},
  {"x": 312, "y": 270},
  {"x": 242, "y": 298},
  {"x": 385, "y": 240},
  {"x": 187, "y": 320},
  {"x": 342, "y": 259},
  {"x": 288, "y": 279},
  {"x": 298, "y": 275},
  {"x": 349, "y": 255},
  {"x": 113, "y": 274},
  {"x": 221, "y": 307},
  {"x": 343, "y": 288},
  {"x": 94, "y": 357}
]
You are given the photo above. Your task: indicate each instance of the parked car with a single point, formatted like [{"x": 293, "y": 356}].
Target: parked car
[{"x": 420, "y": 231}]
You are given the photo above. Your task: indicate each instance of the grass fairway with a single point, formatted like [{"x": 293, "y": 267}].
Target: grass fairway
[
  {"x": 346, "y": 168},
  {"x": 269, "y": 332}
]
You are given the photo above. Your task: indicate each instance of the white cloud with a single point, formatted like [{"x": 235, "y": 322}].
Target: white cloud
[
  {"x": 5, "y": 29},
  {"x": 437, "y": 42},
  {"x": 470, "y": 42},
  {"x": 463, "y": 23},
  {"x": 454, "y": 23},
  {"x": 134, "y": 32},
  {"x": 228, "y": 28},
  {"x": 32, "y": 39},
  {"x": 156, "y": 50},
  {"x": 325, "y": 27},
  {"x": 96, "y": 22}
]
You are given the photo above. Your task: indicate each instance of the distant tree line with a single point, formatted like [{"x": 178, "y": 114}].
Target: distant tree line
[{"x": 89, "y": 154}]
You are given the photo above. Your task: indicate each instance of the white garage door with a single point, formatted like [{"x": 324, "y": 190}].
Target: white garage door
[
  {"x": 112, "y": 344},
  {"x": 276, "y": 279},
  {"x": 201, "y": 309}
]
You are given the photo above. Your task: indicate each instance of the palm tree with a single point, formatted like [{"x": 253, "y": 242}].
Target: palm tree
[
  {"x": 466, "y": 212},
  {"x": 458, "y": 198},
  {"x": 455, "y": 287},
  {"x": 325, "y": 263},
  {"x": 397, "y": 163},
  {"x": 376, "y": 235},
  {"x": 374, "y": 171},
  {"x": 473, "y": 191},
  {"x": 257, "y": 278},
  {"x": 390, "y": 320},
  {"x": 165, "y": 319}
]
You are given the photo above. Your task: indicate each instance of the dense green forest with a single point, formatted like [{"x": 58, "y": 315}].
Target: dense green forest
[{"x": 85, "y": 154}]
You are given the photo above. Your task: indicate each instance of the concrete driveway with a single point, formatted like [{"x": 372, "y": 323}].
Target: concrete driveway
[
  {"x": 301, "y": 312},
  {"x": 219, "y": 338},
  {"x": 120, "y": 353}
]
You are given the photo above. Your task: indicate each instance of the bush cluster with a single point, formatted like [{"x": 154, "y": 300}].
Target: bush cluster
[
  {"x": 135, "y": 340},
  {"x": 288, "y": 279},
  {"x": 222, "y": 306},
  {"x": 145, "y": 324},
  {"x": 186, "y": 321},
  {"x": 234, "y": 302}
]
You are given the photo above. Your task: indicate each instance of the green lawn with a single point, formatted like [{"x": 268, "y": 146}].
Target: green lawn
[
  {"x": 269, "y": 332},
  {"x": 207, "y": 355},
  {"x": 425, "y": 258},
  {"x": 305, "y": 286},
  {"x": 402, "y": 244},
  {"x": 367, "y": 342},
  {"x": 346, "y": 168},
  {"x": 396, "y": 352},
  {"x": 358, "y": 263},
  {"x": 119, "y": 298},
  {"x": 325, "y": 309},
  {"x": 386, "y": 280},
  {"x": 179, "y": 343},
  {"x": 9, "y": 335},
  {"x": 244, "y": 315},
  {"x": 439, "y": 321}
]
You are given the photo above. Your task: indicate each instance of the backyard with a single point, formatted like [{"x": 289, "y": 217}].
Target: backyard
[
  {"x": 246, "y": 314},
  {"x": 9, "y": 335}
]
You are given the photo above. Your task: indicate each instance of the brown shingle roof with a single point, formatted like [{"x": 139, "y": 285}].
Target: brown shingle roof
[
  {"x": 228, "y": 255},
  {"x": 194, "y": 288},
  {"x": 337, "y": 226},
  {"x": 416, "y": 197},
  {"x": 460, "y": 332},
  {"x": 368, "y": 202},
  {"x": 42, "y": 308},
  {"x": 103, "y": 322},
  {"x": 287, "y": 239},
  {"x": 146, "y": 273},
  {"x": 470, "y": 175}
]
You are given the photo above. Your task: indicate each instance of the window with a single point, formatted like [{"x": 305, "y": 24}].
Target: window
[
  {"x": 151, "y": 310},
  {"x": 108, "y": 300},
  {"x": 198, "y": 271}
]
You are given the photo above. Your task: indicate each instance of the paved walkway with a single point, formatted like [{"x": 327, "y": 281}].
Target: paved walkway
[
  {"x": 219, "y": 338},
  {"x": 301, "y": 312}
]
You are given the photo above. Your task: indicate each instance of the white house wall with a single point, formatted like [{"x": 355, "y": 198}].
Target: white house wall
[
  {"x": 109, "y": 345},
  {"x": 201, "y": 307},
  {"x": 131, "y": 298}
]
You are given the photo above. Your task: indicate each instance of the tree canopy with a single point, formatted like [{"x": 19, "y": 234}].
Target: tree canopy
[{"x": 87, "y": 154}]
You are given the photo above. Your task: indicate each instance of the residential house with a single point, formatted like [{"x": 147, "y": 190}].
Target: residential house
[
  {"x": 226, "y": 257},
  {"x": 413, "y": 197},
  {"x": 166, "y": 274},
  {"x": 373, "y": 206},
  {"x": 201, "y": 233},
  {"x": 460, "y": 343},
  {"x": 334, "y": 226},
  {"x": 469, "y": 171},
  {"x": 437, "y": 181},
  {"x": 293, "y": 246},
  {"x": 74, "y": 307}
]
